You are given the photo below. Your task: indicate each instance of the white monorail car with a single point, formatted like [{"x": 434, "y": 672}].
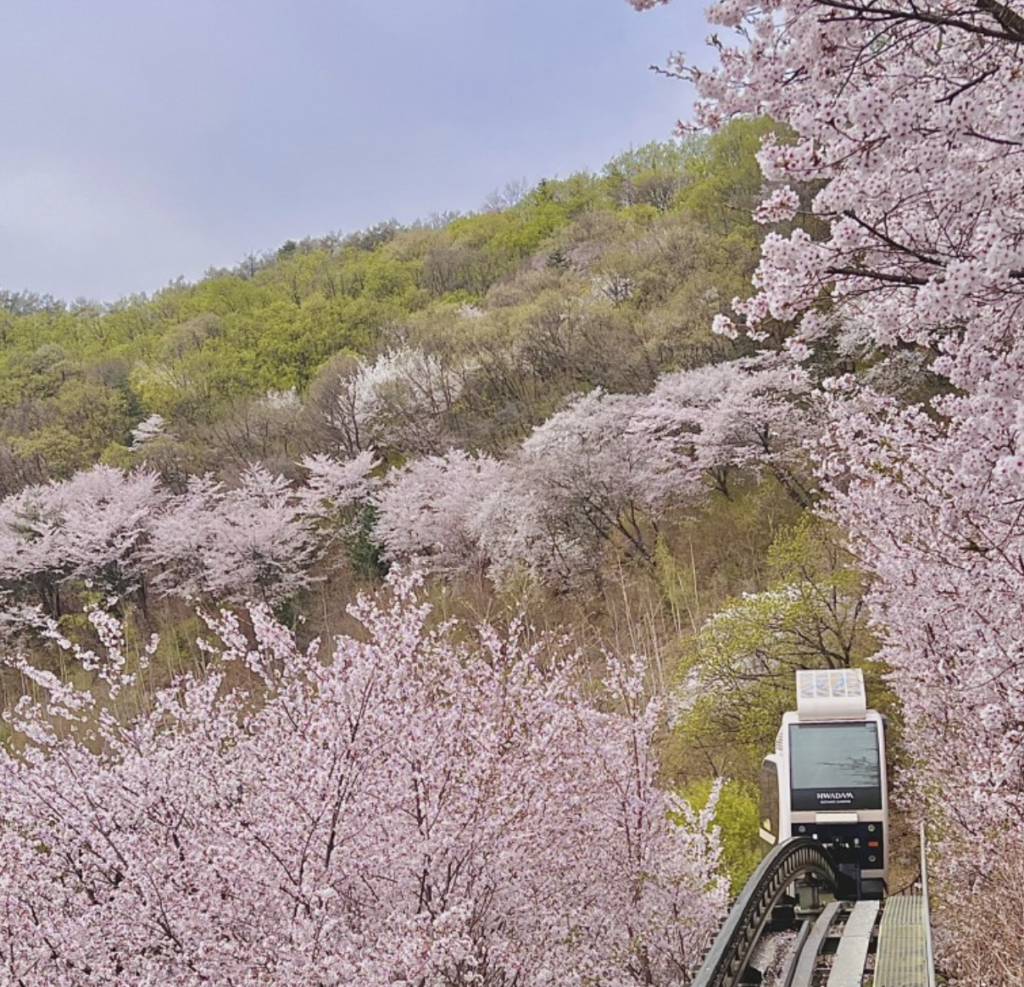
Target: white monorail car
[{"x": 826, "y": 778}]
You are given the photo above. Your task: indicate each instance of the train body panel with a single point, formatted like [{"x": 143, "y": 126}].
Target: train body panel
[{"x": 826, "y": 778}]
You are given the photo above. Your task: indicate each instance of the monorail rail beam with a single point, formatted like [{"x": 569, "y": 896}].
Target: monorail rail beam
[{"x": 788, "y": 862}]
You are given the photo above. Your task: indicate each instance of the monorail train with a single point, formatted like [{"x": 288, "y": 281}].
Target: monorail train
[{"x": 826, "y": 778}]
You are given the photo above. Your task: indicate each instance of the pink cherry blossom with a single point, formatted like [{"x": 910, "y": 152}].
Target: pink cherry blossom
[
  {"x": 415, "y": 807},
  {"x": 426, "y": 510},
  {"x": 252, "y": 541}
]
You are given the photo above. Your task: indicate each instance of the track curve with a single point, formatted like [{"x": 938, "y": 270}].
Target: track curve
[{"x": 730, "y": 952}]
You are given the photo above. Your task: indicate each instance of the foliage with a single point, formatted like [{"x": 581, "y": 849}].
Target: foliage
[
  {"x": 531, "y": 394},
  {"x": 92, "y": 527},
  {"x": 426, "y": 511},
  {"x": 116, "y": 532},
  {"x": 57, "y": 436},
  {"x": 739, "y": 674},
  {"x": 596, "y": 280},
  {"x": 737, "y": 818},
  {"x": 362, "y": 552},
  {"x": 248, "y": 542}
]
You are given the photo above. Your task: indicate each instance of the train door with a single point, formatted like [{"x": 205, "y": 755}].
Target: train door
[{"x": 768, "y": 802}]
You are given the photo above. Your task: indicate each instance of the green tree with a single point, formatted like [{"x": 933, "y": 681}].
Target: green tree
[
  {"x": 69, "y": 432},
  {"x": 654, "y": 173},
  {"x": 738, "y": 673}
]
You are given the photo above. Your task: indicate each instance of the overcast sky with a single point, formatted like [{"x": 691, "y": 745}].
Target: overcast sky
[{"x": 146, "y": 139}]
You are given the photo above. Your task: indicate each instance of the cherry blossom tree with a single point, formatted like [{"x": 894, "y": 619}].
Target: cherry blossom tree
[
  {"x": 91, "y": 528},
  {"x": 151, "y": 428},
  {"x": 427, "y": 510},
  {"x": 601, "y": 473},
  {"x": 606, "y": 469},
  {"x": 337, "y": 496},
  {"x": 333, "y": 486},
  {"x": 182, "y": 536},
  {"x": 400, "y": 400},
  {"x": 933, "y": 508},
  {"x": 411, "y": 808},
  {"x": 517, "y": 533},
  {"x": 232, "y": 544},
  {"x": 911, "y": 116},
  {"x": 107, "y": 519},
  {"x": 31, "y": 553},
  {"x": 719, "y": 419},
  {"x": 580, "y": 482}
]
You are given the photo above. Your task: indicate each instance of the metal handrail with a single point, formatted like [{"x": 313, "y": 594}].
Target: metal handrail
[
  {"x": 926, "y": 912},
  {"x": 730, "y": 952}
]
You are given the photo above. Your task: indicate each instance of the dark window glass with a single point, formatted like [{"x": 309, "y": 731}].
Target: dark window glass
[
  {"x": 834, "y": 755},
  {"x": 770, "y": 797}
]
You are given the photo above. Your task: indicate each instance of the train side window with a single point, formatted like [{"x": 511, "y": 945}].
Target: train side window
[{"x": 769, "y": 800}]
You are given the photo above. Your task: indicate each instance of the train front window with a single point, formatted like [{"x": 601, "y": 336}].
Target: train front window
[{"x": 835, "y": 766}]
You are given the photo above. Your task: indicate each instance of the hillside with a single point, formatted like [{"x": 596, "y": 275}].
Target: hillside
[
  {"x": 473, "y": 529},
  {"x": 536, "y": 298},
  {"x": 522, "y": 401}
]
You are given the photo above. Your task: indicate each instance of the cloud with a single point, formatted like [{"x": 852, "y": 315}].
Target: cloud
[
  {"x": 147, "y": 140},
  {"x": 91, "y": 228}
]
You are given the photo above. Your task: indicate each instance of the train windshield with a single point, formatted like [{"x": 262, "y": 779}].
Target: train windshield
[{"x": 835, "y": 766}]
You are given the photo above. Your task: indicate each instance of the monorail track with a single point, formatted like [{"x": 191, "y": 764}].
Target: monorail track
[{"x": 841, "y": 945}]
